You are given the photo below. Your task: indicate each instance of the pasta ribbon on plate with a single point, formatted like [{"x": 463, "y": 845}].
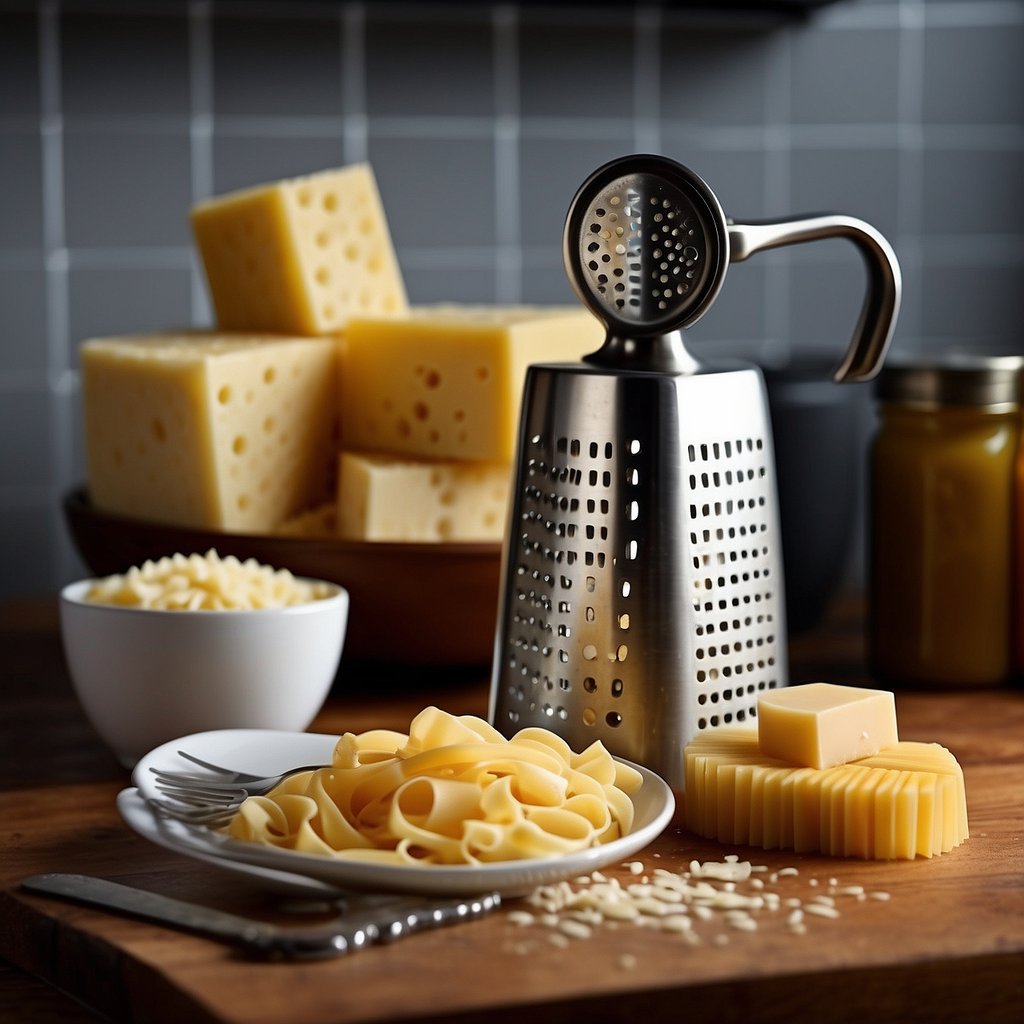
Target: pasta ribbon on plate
[{"x": 452, "y": 791}]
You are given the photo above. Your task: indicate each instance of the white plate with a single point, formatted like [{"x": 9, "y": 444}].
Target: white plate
[{"x": 266, "y": 752}]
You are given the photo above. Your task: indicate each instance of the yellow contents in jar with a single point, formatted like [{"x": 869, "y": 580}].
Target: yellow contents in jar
[
  {"x": 941, "y": 561},
  {"x": 1018, "y": 605}
]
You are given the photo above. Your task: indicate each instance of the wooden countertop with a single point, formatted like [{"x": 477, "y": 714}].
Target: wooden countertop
[{"x": 948, "y": 945}]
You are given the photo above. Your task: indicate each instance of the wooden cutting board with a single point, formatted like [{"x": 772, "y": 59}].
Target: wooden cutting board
[{"x": 947, "y": 945}]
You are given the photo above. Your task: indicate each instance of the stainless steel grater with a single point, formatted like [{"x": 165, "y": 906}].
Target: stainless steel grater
[{"x": 643, "y": 594}]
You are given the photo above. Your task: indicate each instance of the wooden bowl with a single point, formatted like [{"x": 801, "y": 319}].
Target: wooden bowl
[{"x": 418, "y": 604}]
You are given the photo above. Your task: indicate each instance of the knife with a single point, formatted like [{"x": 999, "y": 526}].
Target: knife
[{"x": 386, "y": 920}]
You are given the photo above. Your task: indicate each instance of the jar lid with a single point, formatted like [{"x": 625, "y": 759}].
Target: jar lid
[{"x": 953, "y": 378}]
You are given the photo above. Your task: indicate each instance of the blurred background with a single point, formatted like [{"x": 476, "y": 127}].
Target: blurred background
[{"x": 480, "y": 121}]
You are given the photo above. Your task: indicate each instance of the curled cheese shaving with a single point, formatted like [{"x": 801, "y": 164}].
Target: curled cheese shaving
[
  {"x": 205, "y": 583},
  {"x": 452, "y": 791}
]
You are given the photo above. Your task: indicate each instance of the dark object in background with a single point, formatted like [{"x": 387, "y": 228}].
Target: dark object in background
[{"x": 816, "y": 429}]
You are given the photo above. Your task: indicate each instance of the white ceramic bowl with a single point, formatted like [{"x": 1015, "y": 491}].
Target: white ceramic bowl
[{"x": 145, "y": 677}]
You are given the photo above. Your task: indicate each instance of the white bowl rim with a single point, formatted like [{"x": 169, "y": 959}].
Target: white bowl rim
[{"x": 73, "y": 594}]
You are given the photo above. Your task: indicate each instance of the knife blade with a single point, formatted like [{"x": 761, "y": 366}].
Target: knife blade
[{"x": 383, "y": 921}]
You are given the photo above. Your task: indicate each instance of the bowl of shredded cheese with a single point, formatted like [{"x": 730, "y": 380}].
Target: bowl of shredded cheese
[
  {"x": 195, "y": 642},
  {"x": 412, "y": 603}
]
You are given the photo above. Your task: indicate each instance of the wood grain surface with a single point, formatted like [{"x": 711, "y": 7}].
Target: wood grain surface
[{"x": 947, "y": 945}]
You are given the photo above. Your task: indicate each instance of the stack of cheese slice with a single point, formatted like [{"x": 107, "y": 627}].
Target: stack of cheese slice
[{"x": 902, "y": 801}]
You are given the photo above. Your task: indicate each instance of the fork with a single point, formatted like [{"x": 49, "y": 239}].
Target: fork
[
  {"x": 224, "y": 780},
  {"x": 199, "y": 799}
]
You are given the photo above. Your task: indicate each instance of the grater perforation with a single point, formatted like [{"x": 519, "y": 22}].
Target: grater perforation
[
  {"x": 643, "y": 598},
  {"x": 554, "y": 613},
  {"x": 735, "y": 636}
]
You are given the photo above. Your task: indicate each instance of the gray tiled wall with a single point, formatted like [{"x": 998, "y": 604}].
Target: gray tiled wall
[{"x": 480, "y": 121}]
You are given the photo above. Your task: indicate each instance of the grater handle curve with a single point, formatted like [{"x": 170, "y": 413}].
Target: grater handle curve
[{"x": 874, "y": 330}]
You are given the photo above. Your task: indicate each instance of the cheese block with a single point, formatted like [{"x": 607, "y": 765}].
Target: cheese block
[
  {"x": 299, "y": 256},
  {"x": 385, "y": 498},
  {"x": 319, "y": 523},
  {"x": 446, "y": 382},
  {"x": 820, "y": 725},
  {"x": 227, "y": 432},
  {"x": 904, "y": 802}
]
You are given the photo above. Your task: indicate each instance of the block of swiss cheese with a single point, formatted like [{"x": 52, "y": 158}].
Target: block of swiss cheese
[
  {"x": 299, "y": 256},
  {"x": 228, "y": 432},
  {"x": 387, "y": 498},
  {"x": 446, "y": 382}
]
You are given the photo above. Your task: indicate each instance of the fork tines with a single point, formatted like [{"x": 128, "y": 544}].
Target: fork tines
[{"x": 197, "y": 813}]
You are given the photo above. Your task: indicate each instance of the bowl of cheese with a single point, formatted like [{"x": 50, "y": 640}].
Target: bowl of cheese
[
  {"x": 411, "y": 602},
  {"x": 192, "y": 643}
]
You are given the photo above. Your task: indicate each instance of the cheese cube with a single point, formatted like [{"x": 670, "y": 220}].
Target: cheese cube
[
  {"x": 233, "y": 433},
  {"x": 383, "y": 498},
  {"x": 446, "y": 382},
  {"x": 820, "y": 725},
  {"x": 299, "y": 256}
]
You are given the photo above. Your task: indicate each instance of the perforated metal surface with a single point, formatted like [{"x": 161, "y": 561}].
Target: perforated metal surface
[
  {"x": 644, "y": 253},
  {"x": 646, "y": 245},
  {"x": 735, "y": 578},
  {"x": 642, "y": 579}
]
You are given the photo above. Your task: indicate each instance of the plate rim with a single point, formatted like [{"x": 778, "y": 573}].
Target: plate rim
[{"x": 510, "y": 878}]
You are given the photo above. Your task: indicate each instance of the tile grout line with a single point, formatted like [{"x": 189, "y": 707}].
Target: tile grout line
[
  {"x": 647, "y": 79},
  {"x": 777, "y": 345},
  {"x": 909, "y": 182},
  {"x": 508, "y": 270},
  {"x": 879, "y": 134},
  {"x": 200, "y": 61},
  {"x": 62, "y": 379},
  {"x": 355, "y": 129}
]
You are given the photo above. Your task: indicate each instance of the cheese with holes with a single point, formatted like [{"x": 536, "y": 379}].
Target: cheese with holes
[
  {"x": 300, "y": 256},
  {"x": 228, "y": 432},
  {"x": 386, "y": 498},
  {"x": 904, "y": 802},
  {"x": 820, "y": 725},
  {"x": 446, "y": 382}
]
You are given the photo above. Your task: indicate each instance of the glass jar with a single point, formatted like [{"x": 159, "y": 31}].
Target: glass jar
[
  {"x": 1018, "y": 604},
  {"x": 943, "y": 475}
]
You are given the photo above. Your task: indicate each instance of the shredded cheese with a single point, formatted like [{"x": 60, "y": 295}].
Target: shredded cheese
[{"x": 206, "y": 583}]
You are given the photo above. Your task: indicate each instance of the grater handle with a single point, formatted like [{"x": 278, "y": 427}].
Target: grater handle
[{"x": 877, "y": 322}]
